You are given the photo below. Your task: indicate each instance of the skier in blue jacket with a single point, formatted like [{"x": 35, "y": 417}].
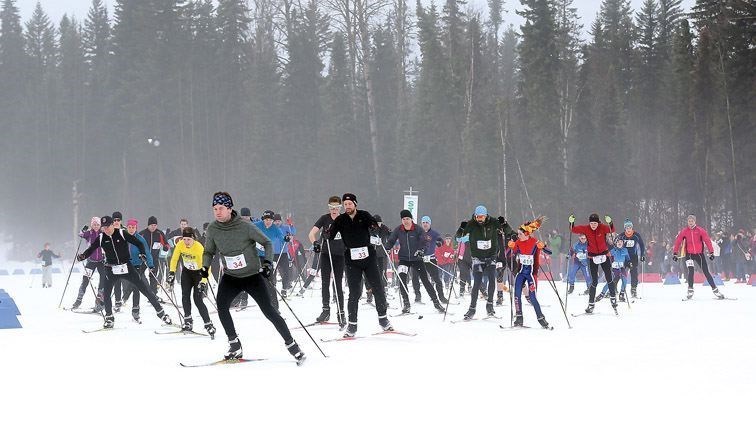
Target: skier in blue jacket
[
  {"x": 578, "y": 261},
  {"x": 620, "y": 260}
]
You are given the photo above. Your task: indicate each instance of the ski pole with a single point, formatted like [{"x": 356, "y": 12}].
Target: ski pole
[
  {"x": 295, "y": 315},
  {"x": 553, "y": 286},
  {"x": 70, "y": 271},
  {"x": 569, "y": 262},
  {"x": 164, "y": 291},
  {"x": 339, "y": 304},
  {"x": 400, "y": 278}
]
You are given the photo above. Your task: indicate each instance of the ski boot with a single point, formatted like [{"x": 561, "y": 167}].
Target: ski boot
[
  {"x": 418, "y": 300},
  {"x": 690, "y": 293},
  {"x": 500, "y": 299},
  {"x": 76, "y": 303},
  {"x": 587, "y": 292},
  {"x": 302, "y": 291},
  {"x": 469, "y": 315},
  {"x": 406, "y": 308},
  {"x": 234, "y": 349},
  {"x": 385, "y": 323},
  {"x": 296, "y": 352},
  {"x": 570, "y": 288},
  {"x": 135, "y": 314},
  {"x": 718, "y": 294},
  {"x": 490, "y": 310},
  {"x": 351, "y": 330},
  {"x": 164, "y": 317},
  {"x": 634, "y": 293},
  {"x": 325, "y": 315},
  {"x": 601, "y": 296},
  {"x": 439, "y": 307},
  {"x": 188, "y": 324},
  {"x": 341, "y": 319},
  {"x": 542, "y": 321},
  {"x": 518, "y": 320},
  {"x": 210, "y": 329},
  {"x": 109, "y": 321},
  {"x": 622, "y": 296},
  {"x": 443, "y": 300},
  {"x": 589, "y": 310}
]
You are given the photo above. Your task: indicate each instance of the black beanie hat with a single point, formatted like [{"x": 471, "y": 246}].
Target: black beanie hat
[
  {"x": 377, "y": 218},
  {"x": 245, "y": 212},
  {"x": 349, "y": 196},
  {"x": 594, "y": 218},
  {"x": 187, "y": 232},
  {"x": 405, "y": 213},
  {"x": 152, "y": 220},
  {"x": 117, "y": 215}
]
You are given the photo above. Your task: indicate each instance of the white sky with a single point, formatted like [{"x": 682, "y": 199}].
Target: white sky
[{"x": 56, "y": 8}]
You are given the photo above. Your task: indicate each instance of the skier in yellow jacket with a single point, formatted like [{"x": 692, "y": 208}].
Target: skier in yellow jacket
[{"x": 190, "y": 252}]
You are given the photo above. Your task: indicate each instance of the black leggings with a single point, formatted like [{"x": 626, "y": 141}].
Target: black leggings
[
  {"x": 190, "y": 282},
  {"x": 634, "y": 272},
  {"x": 418, "y": 268},
  {"x": 354, "y": 271},
  {"x": 91, "y": 265},
  {"x": 607, "y": 267},
  {"x": 325, "y": 279},
  {"x": 130, "y": 290},
  {"x": 257, "y": 287},
  {"x": 480, "y": 269},
  {"x": 132, "y": 277},
  {"x": 699, "y": 259}
]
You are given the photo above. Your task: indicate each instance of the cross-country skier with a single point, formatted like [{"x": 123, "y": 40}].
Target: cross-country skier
[
  {"x": 433, "y": 240},
  {"x": 595, "y": 233},
  {"x": 695, "y": 237},
  {"x": 94, "y": 262},
  {"x": 235, "y": 240},
  {"x": 358, "y": 230},
  {"x": 620, "y": 261},
  {"x": 327, "y": 253},
  {"x": 139, "y": 266},
  {"x": 527, "y": 249},
  {"x": 47, "y": 256},
  {"x": 578, "y": 261},
  {"x": 636, "y": 250},
  {"x": 114, "y": 244}
]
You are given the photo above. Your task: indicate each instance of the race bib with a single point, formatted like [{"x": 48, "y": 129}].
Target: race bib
[
  {"x": 427, "y": 258},
  {"x": 629, "y": 243},
  {"x": 235, "y": 262},
  {"x": 525, "y": 259},
  {"x": 359, "y": 253},
  {"x": 89, "y": 272},
  {"x": 157, "y": 246},
  {"x": 689, "y": 262},
  {"x": 402, "y": 269},
  {"x": 617, "y": 264},
  {"x": 484, "y": 245},
  {"x": 375, "y": 240},
  {"x": 499, "y": 265},
  {"x": 120, "y": 269},
  {"x": 260, "y": 247},
  {"x": 600, "y": 259},
  {"x": 581, "y": 256},
  {"x": 338, "y": 236},
  {"x": 190, "y": 265}
]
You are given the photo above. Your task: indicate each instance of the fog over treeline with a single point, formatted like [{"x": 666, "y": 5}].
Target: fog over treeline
[{"x": 284, "y": 103}]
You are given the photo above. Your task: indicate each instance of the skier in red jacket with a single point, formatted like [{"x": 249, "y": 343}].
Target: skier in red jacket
[
  {"x": 695, "y": 237},
  {"x": 595, "y": 232}
]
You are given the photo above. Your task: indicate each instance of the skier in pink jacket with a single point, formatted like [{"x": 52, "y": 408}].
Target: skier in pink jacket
[{"x": 695, "y": 237}]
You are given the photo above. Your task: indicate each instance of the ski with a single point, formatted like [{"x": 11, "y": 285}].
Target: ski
[
  {"x": 411, "y": 313},
  {"x": 223, "y": 361},
  {"x": 82, "y": 311},
  {"x": 314, "y": 324},
  {"x": 725, "y": 299},
  {"x": 514, "y": 327},
  {"x": 580, "y": 314},
  {"x": 394, "y": 332},
  {"x": 350, "y": 338},
  {"x": 100, "y": 329},
  {"x": 454, "y": 321},
  {"x": 185, "y": 332}
]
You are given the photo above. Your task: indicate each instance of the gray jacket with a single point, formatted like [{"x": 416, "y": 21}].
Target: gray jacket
[{"x": 235, "y": 238}]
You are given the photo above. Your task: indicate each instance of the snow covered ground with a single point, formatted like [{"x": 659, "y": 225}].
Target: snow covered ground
[{"x": 663, "y": 371}]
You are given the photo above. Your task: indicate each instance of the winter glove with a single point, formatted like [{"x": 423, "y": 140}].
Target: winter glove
[
  {"x": 540, "y": 245},
  {"x": 287, "y": 238},
  {"x": 80, "y": 257},
  {"x": 316, "y": 247},
  {"x": 419, "y": 253},
  {"x": 643, "y": 259},
  {"x": 204, "y": 272},
  {"x": 711, "y": 256},
  {"x": 607, "y": 219},
  {"x": 511, "y": 244},
  {"x": 143, "y": 258},
  {"x": 170, "y": 278},
  {"x": 571, "y": 219},
  {"x": 501, "y": 220},
  {"x": 85, "y": 228},
  {"x": 674, "y": 257},
  {"x": 463, "y": 225},
  {"x": 267, "y": 269},
  {"x": 202, "y": 287}
]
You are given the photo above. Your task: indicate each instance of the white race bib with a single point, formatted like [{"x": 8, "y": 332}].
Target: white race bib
[
  {"x": 190, "y": 265},
  {"x": 426, "y": 258},
  {"x": 260, "y": 247},
  {"x": 525, "y": 259},
  {"x": 402, "y": 269},
  {"x": 89, "y": 272},
  {"x": 499, "y": 265},
  {"x": 689, "y": 262},
  {"x": 617, "y": 264},
  {"x": 375, "y": 240},
  {"x": 484, "y": 245},
  {"x": 338, "y": 236},
  {"x": 157, "y": 246},
  {"x": 581, "y": 256},
  {"x": 120, "y": 269},
  {"x": 600, "y": 259},
  {"x": 235, "y": 262},
  {"x": 359, "y": 253},
  {"x": 630, "y": 243}
]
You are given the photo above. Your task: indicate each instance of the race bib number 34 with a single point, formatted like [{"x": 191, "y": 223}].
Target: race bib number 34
[
  {"x": 235, "y": 262},
  {"x": 359, "y": 253}
]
